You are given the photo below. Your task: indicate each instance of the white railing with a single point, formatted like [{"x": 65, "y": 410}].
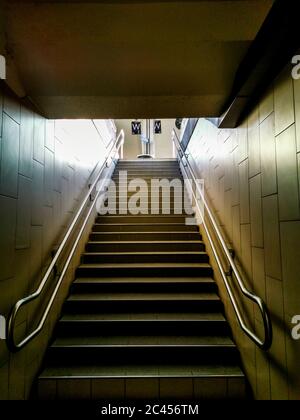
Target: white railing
[{"x": 233, "y": 270}]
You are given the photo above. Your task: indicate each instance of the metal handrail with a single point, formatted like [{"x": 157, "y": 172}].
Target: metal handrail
[
  {"x": 14, "y": 347},
  {"x": 267, "y": 342}
]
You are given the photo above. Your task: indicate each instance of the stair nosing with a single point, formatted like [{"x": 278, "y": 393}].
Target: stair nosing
[
  {"x": 144, "y": 376},
  {"x": 151, "y": 232},
  {"x": 142, "y": 346},
  {"x": 144, "y": 224},
  {"x": 142, "y": 321},
  {"x": 147, "y": 265},
  {"x": 81, "y": 297},
  {"x": 145, "y": 253},
  {"x": 144, "y": 215},
  {"x": 147, "y": 242},
  {"x": 148, "y": 280}
]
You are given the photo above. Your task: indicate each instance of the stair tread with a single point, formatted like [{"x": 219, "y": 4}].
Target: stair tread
[
  {"x": 147, "y": 280},
  {"x": 145, "y": 265},
  {"x": 146, "y": 233},
  {"x": 144, "y": 317},
  {"x": 128, "y": 216},
  {"x": 148, "y": 193},
  {"x": 147, "y": 175},
  {"x": 145, "y": 242},
  {"x": 148, "y": 171},
  {"x": 143, "y": 341},
  {"x": 158, "y": 168},
  {"x": 147, "y": 161},
  {"x": 139, "y": 224},
  {"x": 142, "y": 296},
  {"x": 142, "y": 371},
  {"x": 147, "y": 253}
]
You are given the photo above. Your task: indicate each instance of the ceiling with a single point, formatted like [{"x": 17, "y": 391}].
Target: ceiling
[{"x": 125, "y": 59}]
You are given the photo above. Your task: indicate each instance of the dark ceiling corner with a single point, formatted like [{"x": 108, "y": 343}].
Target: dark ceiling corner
[{"x": 274, "y": 46}]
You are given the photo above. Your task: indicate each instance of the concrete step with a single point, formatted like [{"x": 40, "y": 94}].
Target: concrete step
[
  {"x": 142, "y": 302},
  {"x": 159, "y": 172},
  {"x": 148, "y": 199},
  {"x": 194, "y": 382},
  {"x": 121, "y": 193},
  {"x": 149, "y": 180},
  {"x": 139, "y": 207},
  {"x": 126, "y": 192},
  {"x": 144, "y": 219},
  {"x": 144, "y": 257},
  {"x": 144, "y": 285},
  {"x": 162, "y": 328},
  {"x": 145, "y": 269},
  {"x": 146, "y": 236},
  {"x": 165, "y": 165},
  {"x": 87, "y": 325},
  {"x": 145, "y": 211},
  {"x": 143, "y": 246},
  {"x": 149, "y": 206},
  {"x": 140, "y": 227},
  {"x": 153, "y": 350}
]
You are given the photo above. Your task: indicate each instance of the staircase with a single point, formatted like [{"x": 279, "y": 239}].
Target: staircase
[{"x": 143, "y": 319}]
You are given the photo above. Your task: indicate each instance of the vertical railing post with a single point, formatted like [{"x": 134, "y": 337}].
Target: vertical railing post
[{"x": 122, "y": 150}]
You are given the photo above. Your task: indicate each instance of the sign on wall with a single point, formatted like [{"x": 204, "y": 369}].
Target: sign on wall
[
  {"x": 157, "y": 127},
  {"x": 136, "y": 128}
]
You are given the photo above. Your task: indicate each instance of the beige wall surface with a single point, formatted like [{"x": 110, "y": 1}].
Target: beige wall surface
[
  {"x": 132, "y": 145},
  {"x": 252, "y": 180},
  {"x": 43, "y": 174},
  {"x": 163, "y": 141},
  {"x": 161, "y": 146}
]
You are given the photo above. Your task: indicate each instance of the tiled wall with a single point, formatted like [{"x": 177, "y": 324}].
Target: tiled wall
[
  {"x": 41, "y": 181},
  {"x": 252, "y": 176}
]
